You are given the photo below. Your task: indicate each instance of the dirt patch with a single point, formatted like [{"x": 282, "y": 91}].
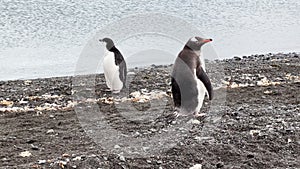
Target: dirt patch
[{"x": 253, "y": 122}]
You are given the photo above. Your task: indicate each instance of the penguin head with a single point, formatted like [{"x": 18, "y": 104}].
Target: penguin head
[
  {"x": 109, "y": 43},
  {"x": 195, "y": 43}
]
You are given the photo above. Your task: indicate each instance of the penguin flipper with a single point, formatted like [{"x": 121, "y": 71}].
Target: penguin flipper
[
  {"x": 176, "y": 93},
  {"x": 123, "y": 72},
  {"x": 205, "y": 80},
  {"x": 120, "y": 61}
]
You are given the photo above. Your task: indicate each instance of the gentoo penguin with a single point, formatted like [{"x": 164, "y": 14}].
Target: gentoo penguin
[
  {"x": 189, "y": 81},
  {"x": 115, "y": 70}
]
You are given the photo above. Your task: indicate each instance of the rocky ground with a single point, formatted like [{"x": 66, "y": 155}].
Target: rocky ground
[{"x": 74, "y": 122}]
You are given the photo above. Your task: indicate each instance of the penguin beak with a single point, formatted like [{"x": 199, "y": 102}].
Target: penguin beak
[
  {"x": 100, "y": 40},
  {"x": 207, "y": 40}
]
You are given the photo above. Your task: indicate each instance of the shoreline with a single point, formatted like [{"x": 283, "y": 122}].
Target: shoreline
[{"x": 243, "y": 58}]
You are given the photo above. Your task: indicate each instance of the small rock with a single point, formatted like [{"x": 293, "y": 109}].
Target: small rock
[
  {"x": 254, "y": 132},
  {"x": 42, "y": 162},
  {"x": 194, "y": 121},
  {"x": 6, "y": 103},
  {"x": 122, "y": 158},
  {"x": 50, "y": 131},
  {"x": 117, "y": 146},
  {"x": 30, "y": 141},
  {"x": 23, "y": 102},
  {"x": 250, "y": 156},
  {"x": 27, "y": 82},
  {"x": 197, "y": 166},
  {"x": 130, "y": 73},
  {"x": 220, "y": 165},
  {"x": 268, "y": 92},
  {"x": 159, "y": 162},
  {"x": 66, "y": 155},
  {"x": 62, "y": 164},
  {"x": 240, "y": 108},
  {"x": 146, "y": 148},
  {"x": 153, "y": 130},
  {"x": 78, "y": 158},
  {"x": 148, "y": 161},
  {"x": 237, "y": 58},
  {"x": 234, "y": 114},
  {"x": 33, "y": 147},
  {"x": 25, "y": 154}
]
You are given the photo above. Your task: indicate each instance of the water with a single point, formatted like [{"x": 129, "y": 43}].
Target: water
[{"x": 46, "y": 39}]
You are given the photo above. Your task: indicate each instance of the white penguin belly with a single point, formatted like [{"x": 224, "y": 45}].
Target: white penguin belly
[
  {"x": 201, "y": 93},
  {"x": 111, "y": 72}
]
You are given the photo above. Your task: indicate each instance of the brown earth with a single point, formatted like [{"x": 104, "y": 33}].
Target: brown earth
[{"x": 253, "y": 121}]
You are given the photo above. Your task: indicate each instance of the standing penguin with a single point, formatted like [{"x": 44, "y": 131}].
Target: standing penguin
[
  {"x": 115, "y": 70},
  {"x": 189, "y": 81}
]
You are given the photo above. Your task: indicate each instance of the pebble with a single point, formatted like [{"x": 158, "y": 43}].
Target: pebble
[
  {"x": 25, "y": 154},
  {"x": 254, "y": 132},
  {"x": 195, "y": 121},
  {"x": 42, "y": 162},
  {"x": 237, "y": 58},
  {"x": 250, "y": 156},
  {"x": 66, "y": 155},
  {"x": 33, "y": 147},
  {"x": 117, "y": 146},
  {"x": 130, "y": 73},
  {"x": 159, "y": 162},
  {"x": 196, "y": 166},
  {"x": 50, "y": 131},
  {"x": 220, "y": 165},
  {"x": 146, "y": 148},
  {"x": 78, "y": 158},
  {"x": 122, "y": 158},
  {"x": 153, "y": 130}
]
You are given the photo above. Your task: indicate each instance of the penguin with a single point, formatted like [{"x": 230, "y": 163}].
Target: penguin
[
  {"x": 189, "y": 81},
  {"x": 114, "y": 66}
]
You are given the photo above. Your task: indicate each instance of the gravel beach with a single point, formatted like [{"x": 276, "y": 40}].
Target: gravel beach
[{"x": 253, "y": 121}]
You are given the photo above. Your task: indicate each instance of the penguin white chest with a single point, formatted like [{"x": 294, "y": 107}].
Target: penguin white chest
[
  {"x": 111, "y": 72},
  {"x": 201, "y": 92}
]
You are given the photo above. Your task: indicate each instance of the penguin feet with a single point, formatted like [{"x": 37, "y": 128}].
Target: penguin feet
[
  {"x": 176, "y": 114},
  {"x": 179, "y": 113}
]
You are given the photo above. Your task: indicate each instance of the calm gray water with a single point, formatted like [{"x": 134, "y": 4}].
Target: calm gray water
[{"x": 40, "y": 38}]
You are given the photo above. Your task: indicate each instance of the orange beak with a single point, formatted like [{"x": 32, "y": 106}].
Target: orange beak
[{"x": 207, "y": 40}]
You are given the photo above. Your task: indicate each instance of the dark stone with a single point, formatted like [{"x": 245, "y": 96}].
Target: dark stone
[
  {"x": 30, "y": 141},
  {"x": 236, "y": 58},
  {"x": 220, "y": 165},
  {"x": 250, "y": 156}
]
